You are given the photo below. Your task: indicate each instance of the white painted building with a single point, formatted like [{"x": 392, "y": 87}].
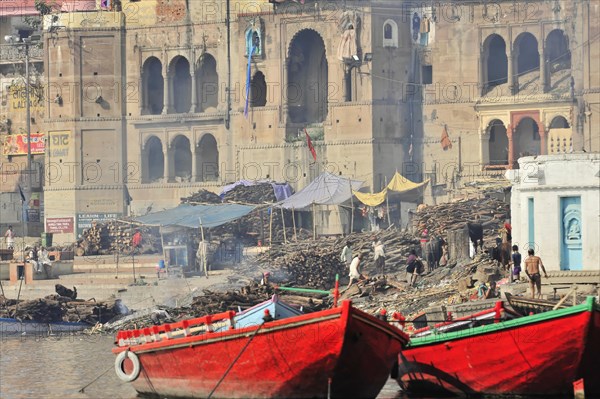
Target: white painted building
[{"x": 555, "y": 208}]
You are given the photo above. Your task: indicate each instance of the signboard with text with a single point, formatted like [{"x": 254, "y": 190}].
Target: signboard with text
[
  {"x": 18, "y": 97},
  {"x": 59, "y": 225},
  {"x": 85, "y": 220},
  {"x": 58, "y": 143},
  {"x": 16, "y": 144}
]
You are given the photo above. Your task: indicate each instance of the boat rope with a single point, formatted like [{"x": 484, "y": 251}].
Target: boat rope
[
  {"x": 95, "y": 379},
  {"x": 234, "y": 361}
]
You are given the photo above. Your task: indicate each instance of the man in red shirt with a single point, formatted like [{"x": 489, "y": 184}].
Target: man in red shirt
[{"x": 137, "y": 239}]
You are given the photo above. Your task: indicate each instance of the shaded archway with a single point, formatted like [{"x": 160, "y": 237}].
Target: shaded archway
[
  {"x": 182, "y": 159},
  {"x": 307, "y": 71},
  {"x": 496, "y": 61},
  {"x": 181, "y": 81},
  {"x": 528, "y": 56},
  {"x": 154, "y": 169},
  {"x": 153, "y": 86},
  {"x": 207, "y": 81},
  {"x": 498, "y": 143},
  {"x": 557, "y": 53},
  {"x": 559, "y": 122},
  {"x": 207, "y": 160},
  {"x": 258, "y": 90},
  {"x": 526, "y": 138}
]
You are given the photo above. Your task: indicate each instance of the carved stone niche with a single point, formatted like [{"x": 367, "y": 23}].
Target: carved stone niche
[
  {"x": 350, "y": 28},
  {"x": 254, "y": 37}
]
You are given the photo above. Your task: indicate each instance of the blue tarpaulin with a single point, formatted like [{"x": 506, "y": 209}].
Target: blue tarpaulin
[{"x": 186, "y": 215}]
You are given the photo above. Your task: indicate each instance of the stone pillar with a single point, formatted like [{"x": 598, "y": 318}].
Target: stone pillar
[
  {"x": 166, "y": 94},
  {"x": 194, "y": 90},
  {"x": 482, "y": 78},
  {"x": 484, "y": 148},
  {"x": 511, "y": 147},
  {"x": 143, "y": 97},
  {"x": 194, "y": 164},
  {"x": 511, "y": 75},
  {"x": 166, "y": 151},
  {"x": 543, "y": 138},
  {"x": 543, "y": 74}
]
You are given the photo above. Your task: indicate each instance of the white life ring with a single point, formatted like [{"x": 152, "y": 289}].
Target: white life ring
[{"x": 119, "y": 366}]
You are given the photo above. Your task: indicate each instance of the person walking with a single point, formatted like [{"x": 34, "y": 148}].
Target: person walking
[
  {"x": 355, "y": 270},
  {"x": 515, "y": 264},
  {"x": 379, "y": 257},
  {"x": 532, "y": 269},
  {"x": 346, "y": 255},
  {"x": 10, "y": 238},
  {"x": 411, "y": 268}
]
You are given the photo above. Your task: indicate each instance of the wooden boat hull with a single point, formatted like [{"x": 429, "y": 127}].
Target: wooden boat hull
[
  {"x": 10, "y": 327},
  {"x": 342, "y": 350},
  {"x": 535, "y": 355}
]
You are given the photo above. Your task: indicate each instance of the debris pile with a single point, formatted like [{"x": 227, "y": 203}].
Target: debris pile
[
  {"x": 438, "y": 219},
  {"x": 116, "y": 236},
  {"x": 55, "y": 308},
  {"x": 202, "y": 197}
]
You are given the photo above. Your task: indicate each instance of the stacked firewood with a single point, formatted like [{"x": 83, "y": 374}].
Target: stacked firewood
[
  {"x": 117, "y": 236},
  {"x": 454, "y": 215},
  {"x": 202, "y": 197},
  {"x": 55, "y": 308}
]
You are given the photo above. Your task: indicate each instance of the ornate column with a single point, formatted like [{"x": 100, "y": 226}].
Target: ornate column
[
  {"x": 511, "y": 147},
  {"x": 543, "y": 74},
  {"x": 543, "y": 138},
  {"x": 194, "y": 90},
  {"x": 167, "y": 94}
]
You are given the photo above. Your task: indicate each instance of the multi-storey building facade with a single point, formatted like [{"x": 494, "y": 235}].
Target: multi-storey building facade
[{"x": 145, "y": 95}]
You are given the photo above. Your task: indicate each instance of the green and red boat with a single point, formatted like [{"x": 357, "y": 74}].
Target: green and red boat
[
  {"x": 541, "y": 354},
  {"x": 338, "y": 353}
]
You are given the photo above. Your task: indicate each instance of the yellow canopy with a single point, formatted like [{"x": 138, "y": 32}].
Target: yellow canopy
[
  {"x": 371, "y": 199},
  {"x": 399, "y": 184}
]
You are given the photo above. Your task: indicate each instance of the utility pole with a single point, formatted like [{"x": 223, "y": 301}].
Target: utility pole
[
  {"x": 28, "y": 188},
  {"x": 228, "y": 25}
]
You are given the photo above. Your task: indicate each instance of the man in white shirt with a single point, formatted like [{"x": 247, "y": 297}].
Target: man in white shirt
[
  {"x": 379, "y": 257},
  {"x": 355, "y": 269},
  {"x": 10, "y": 238},
  {"x": 44, "y": 260},
  {"x": 346, "y": 256}
]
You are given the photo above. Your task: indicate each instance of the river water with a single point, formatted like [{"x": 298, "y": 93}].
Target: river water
[{"x": 58, "y": 367}]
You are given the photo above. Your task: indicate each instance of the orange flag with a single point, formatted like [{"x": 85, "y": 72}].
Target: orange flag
[
  {"x": 310, "y": 145},
  {"x": 446, "y": 143}
]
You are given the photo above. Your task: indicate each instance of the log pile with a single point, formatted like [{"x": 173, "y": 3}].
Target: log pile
[
  {"x": 314, "y": 264},
  {"x": 202, "y": 197},
  {"x": 117, "y": 236},
  {"x": 55, "y": 308},
  {"x": 438, "y": 219}
]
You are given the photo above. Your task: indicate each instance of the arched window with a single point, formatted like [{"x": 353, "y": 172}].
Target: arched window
[
  {"x": 207, "y": 160},
  {"x": 527, "y": 138},
  {"x": 154, "y": 161},
  {"x": 307, "y": 71},
  {"x": 557, "y": 51},
  {"x": 182, "y": 159},
  {"x": 496, "y": 61},
  {"x": 181, "y": 81},
  {"x": 258, "y": 90},
  {"x": 498, "y": 144},
  {"x": 559, "y": 122},
  {"x": 207, "y": 81},
  {"x": 153, "y": 86},
  {"x": 390, "y": 33}
]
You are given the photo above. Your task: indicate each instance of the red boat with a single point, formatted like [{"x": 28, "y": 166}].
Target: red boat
[
  {"x": 542, "y": 354},
  {"x": 341, "y": 352}
]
